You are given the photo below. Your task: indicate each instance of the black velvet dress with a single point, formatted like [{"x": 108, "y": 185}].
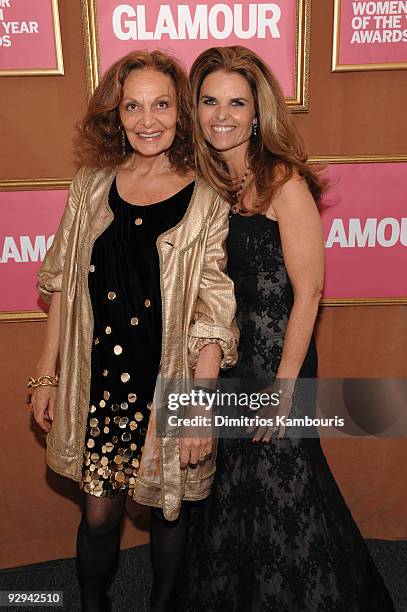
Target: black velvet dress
[
  {"x": 275, "y": 533},
  {"x": 124, "y": 287}
]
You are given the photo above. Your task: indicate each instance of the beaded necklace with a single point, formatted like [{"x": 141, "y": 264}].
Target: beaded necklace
[{"x": 235, "y": 208}]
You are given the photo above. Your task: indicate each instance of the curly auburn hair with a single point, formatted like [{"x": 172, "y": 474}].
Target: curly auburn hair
[
  {"x": 276, "y": 153},
  {"x": 98, "y": 142}
]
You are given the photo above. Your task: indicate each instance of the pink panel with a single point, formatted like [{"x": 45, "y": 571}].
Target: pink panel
[
  {"x": 26, "y": 35},
  {"x": 28, "y": 220},
  {"x": 373, "y": 32},
  {"x": 187, "y": 29},
  {"x": 365, "y": 226}
]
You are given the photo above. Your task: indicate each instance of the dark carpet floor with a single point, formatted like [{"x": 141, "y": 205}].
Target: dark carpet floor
[{"x": 131, "y": 586}]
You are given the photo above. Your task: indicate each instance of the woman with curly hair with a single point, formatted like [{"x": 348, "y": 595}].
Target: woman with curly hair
[
  {"x": 136, "y": 282},
  {"x": 275, "y": 533}
]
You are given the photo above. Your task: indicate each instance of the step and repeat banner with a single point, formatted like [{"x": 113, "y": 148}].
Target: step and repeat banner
[
  {"x": 364, "y": 211},
  {"x": 369, "y": 35},
  {"x": 30, "y": 38},
  {"x": 278, "y": 31}
]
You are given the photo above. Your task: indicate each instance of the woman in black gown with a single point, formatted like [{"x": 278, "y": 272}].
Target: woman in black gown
[{"x": 275, "y": 533}]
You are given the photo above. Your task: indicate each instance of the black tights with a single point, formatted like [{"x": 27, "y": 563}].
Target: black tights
[
  {"x": 98, "y": 546},
  {"x": 167, "y": 544}
]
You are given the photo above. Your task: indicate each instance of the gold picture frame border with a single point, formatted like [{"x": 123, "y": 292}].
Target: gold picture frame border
[
  {"x": 41, "y": 184},
  {"x": 337, "y": 67},
  {"x": 59, "y": 69},
  {"x": 297, "y": 103},
  {"x": 63, "y": 183}
]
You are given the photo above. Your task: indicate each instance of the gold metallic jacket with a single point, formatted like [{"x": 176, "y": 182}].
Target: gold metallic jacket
[{"x": 198, "y": 307}]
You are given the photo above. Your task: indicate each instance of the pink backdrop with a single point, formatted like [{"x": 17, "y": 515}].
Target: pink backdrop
[
  {"x": 271, "y": 30},
  {"x": 369, "y": 51},
  {"x": 364, "y": 216},
  {"x": 32, "y": 45},
  {"x": 365, "y": 226},
  {"x": 28, "y": 219}
]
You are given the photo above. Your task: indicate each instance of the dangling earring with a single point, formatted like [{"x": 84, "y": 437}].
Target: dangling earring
[
  {"x": 254, "y": 132},
  {"x": 123, "y": 140}
]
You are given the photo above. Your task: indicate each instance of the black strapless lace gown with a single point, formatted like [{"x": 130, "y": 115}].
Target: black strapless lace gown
[{"x": 275, "y": 534}]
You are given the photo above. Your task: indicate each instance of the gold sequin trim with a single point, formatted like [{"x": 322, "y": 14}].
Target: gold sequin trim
[
  {"x": 147, "y": 303},
  {"x": 118, "y": 349},
  {"x": 132, "y": 397},
  {"x": 138, "y": 221},
  {"x": 125, "y": 377},
  {"x": 134, "y": 321},
  {"x": 111, "y": 295}
]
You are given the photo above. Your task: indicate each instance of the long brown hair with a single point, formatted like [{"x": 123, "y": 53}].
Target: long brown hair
[
  {"x": 276, "y": 152},
  {"x": 98, "y": 143}
]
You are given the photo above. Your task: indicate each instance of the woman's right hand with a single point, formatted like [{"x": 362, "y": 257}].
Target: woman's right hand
[{"x": 43, "y": 401}]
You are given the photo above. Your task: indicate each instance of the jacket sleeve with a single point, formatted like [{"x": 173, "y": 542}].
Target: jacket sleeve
[
  {"x": 49, "y": 275},
  {"x": 215, "y": 309}
]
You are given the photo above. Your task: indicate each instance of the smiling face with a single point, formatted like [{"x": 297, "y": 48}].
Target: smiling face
[
  {"x": 148, "y": 111},
  {"x": 226, "y": 112}
]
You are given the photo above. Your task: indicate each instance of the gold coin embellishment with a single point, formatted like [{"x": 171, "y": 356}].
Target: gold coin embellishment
[
  {"x": 92, "y": 408},
  {"x": 106, "y": 430},
  {"x": 96, "y": 341},
  {"x": 108, "y": 330},
  {"x": 125, "y": 377},
  {"x": 133, "y": 426},
  {"x": 134, "y": 321},
  {"x": 91, "y": 268},
  {"x": 115, "y": 440},
  {"x": 115, "y": 407},
  {"x": 93, "y": 423},
  {"x": 106, "y": 395},
  {"x": 132, "y": 397},
  {"x": 94, "y": 456},
  {"x": 118, "y": 459},
  {"x": 147, "y": 303},
  {"x": 123, "y": 422},
  {"x": 105, "y": 372},
  {"x": 119, "y": 476},
  {"x": 126, "y": 437},
  {"x": 111, "y": 295},
  {"x": 102, "y": 403},
  {"x": 135, "y": 463},
  {"x": 124, "y": 405},
  {"x": 116, "y": 419},
  {"x": 138, "y": 221},
  {"x": 107, "y": 420},
  {"x": 138, "y": 416},
  {"x": 90, "y": 443},
  {"x": 109, "y": 447},
  {"x": 118, "y": 349},
  {"x": 95, "y": 431},
  {"x": 104, "y": 461}
]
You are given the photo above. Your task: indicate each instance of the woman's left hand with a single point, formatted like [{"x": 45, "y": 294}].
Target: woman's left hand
[
  {"x": 194, "y": 450},
  {"x": 278, "y": 414}
]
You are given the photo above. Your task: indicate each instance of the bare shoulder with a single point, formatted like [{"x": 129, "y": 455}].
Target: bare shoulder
[{"x": 292, "y": 199}]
